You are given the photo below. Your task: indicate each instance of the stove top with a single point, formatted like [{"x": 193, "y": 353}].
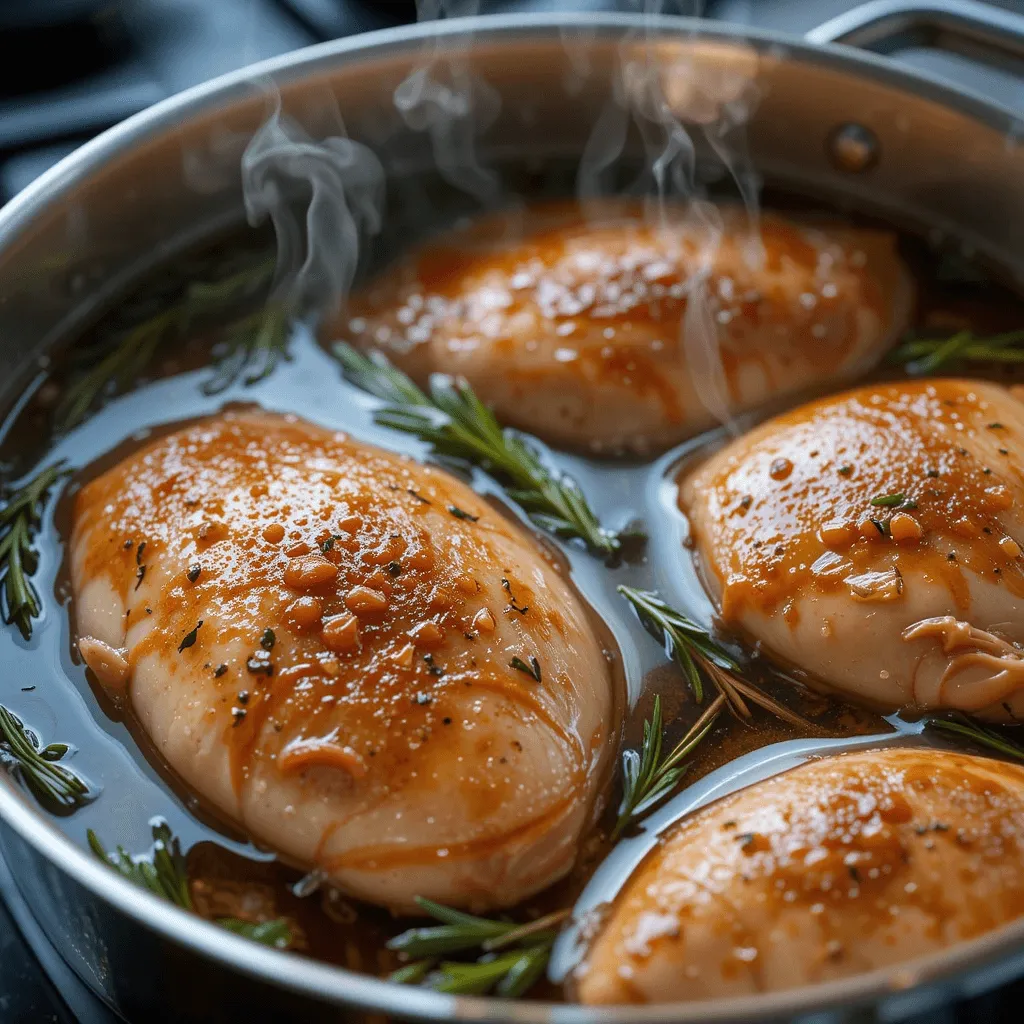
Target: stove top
[{"x": 83, "y": 65}]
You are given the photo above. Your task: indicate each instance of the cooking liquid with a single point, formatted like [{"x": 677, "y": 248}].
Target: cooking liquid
[{"x": 51, "y": 691}]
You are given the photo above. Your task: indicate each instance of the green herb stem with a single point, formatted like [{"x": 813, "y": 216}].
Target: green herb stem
[
  {"x": 960, "y": 725},
  {"x": 513, "y": 956},
  {"x": 648, "y": 777},
  {"x": 19, "y": 521},
  {"x": 164, "y": 873},
  {"x": 454, "y": 421},
  {"x": 923, "y": 356},
  {"x": 698, "y": 655},
  {"x": 55, "y": 786},
  {"x": 249, "y": 345}
]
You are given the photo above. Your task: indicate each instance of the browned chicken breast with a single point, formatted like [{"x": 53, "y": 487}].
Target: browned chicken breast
[
  {"x": 584, "y": 331},
  {"x": 846, "y": 864},
  {"x": 351, "y": 655},
  {"x": 873, "y": 540}
]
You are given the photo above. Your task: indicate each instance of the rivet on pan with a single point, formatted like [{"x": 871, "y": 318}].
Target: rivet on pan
[{"x": 853, "y": 148}]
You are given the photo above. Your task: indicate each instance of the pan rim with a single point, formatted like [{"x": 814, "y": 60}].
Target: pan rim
[{"x": 337, "y": 985}]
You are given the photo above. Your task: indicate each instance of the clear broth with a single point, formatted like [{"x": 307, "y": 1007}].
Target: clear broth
[{"x": 46, "y": 685}]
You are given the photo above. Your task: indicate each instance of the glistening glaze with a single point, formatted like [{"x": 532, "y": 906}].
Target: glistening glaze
[
  {"x": 115, "y": 753},
  {"x": 576, "y": 321},
  {"x": 323, "y": 640},
  {"x": 894, "y": 510},
  {"x": 839, "y": 866}
]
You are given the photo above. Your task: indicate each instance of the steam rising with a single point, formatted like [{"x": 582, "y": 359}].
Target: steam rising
[
  {"x": 323, "y": 198},
  {"x": 666, "y": 92},
  {"x": 453, "y": 106}
]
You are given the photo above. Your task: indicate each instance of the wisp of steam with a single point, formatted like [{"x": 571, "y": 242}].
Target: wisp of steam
[
  {"x": 324, "y": 198},
  {"x": 443, "y": 98},
  {"x": 664, "y": 92}
]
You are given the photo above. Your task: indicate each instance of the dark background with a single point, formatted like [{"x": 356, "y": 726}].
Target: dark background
[{"x": 70, "y": 68}]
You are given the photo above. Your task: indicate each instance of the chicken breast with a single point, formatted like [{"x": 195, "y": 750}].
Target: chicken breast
[
  {"x": 873, "y": 541},
  {"x": 846, "y": 864},
  {"x": 349, "y": 654},
  {"x": 578, "y": 330}
]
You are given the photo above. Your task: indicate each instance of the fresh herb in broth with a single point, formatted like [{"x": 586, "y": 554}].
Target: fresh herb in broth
[
  {"x": 37, "y": 767},
  {"x": 508, "y": 974},
  {"x": 164, "y": 873},
  {"x": 697, "y": 653},
  {"x": 924, "y": 356},
  {"x": 250, "y": 344},
  {"x": 485, "y": 965},
  {"x": 647, "y": 777},
  {"x": 975, "y": 732},
  {"x": 19, "y": 522},
  {"x": 459, "y": 426}
]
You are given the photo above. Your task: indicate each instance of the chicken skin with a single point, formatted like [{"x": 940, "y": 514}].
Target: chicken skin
[
  {"x": 846, "y": 864},
  {"x": 872, "y": 540},
  {"x": 584, "y": 331},
  {"x": 351, "y": 655}
]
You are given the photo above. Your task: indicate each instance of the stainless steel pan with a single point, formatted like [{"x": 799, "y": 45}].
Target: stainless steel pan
[{"x": 831, "y": 120}]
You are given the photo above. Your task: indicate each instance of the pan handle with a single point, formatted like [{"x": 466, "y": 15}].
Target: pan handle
[{"x": 976, "y": 30}]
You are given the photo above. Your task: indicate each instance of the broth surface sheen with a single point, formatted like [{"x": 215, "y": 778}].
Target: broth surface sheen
[{"x": 49, "y": 688}]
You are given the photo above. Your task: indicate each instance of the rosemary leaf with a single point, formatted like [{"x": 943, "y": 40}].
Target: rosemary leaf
[
  {"x": 19, "y": 521},
  {"x": 457, "y": 425},
  {"x": 961, "y": 725},
  {"x": 524, "y": 973},
  {"x": 699, "y": 656},
  {"x": 248, "y": 346},
  {"x": 458, "y": 932},
  {"x": 412, "y": 974},
  {"x": 274, "y": 933},
  {"x": 164, "y": 873},
  {"x": 923, "y": 356},
  {"x": 685, "y": 641},
  {"x": 510, "y": 973},
  {"x": 649, "y": 778},
  {"x": 37, "y": 767}
]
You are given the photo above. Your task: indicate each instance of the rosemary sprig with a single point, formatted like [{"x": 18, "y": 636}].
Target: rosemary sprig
[
  {"x": 922, "y": 356},
  {"x": 698, "y": 655},
  {"x": 513, "y": 956},
  {"x": 648, "y": 777},
  {"x": 19, "y": 521},
  {"x": 454, "y": 421},
  {"x": 57, "y": 788},
  {"x": 961, "y": 725},
  {"x": 251, "y": 344},
  {"x": 164, "y": 873},
  {"x": 271, "y": 933}
]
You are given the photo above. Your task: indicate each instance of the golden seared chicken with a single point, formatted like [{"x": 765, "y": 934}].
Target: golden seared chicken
[
  {"x": 846, "y": 864},
  {"x": 578, "y": 331},
  {"x": 350, "y": 654},
  {"x": 873, "y": 540}
]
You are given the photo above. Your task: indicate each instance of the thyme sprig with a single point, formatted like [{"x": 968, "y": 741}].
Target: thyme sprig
[
  {"x": 700, "y": 656},
  {"x": 513, "y": 956},
  {"x": 454, "y": 421},
  {"x": 248, "y": 347},
  {"x": 37, "y": 767},
  {"x": 19, "y": 521},
  {"x": 961, "y": 725},
  {"x": 164, "y": 872},
  {"x": 647, "y": 776},
  {"x": 922, "y": 356}
]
